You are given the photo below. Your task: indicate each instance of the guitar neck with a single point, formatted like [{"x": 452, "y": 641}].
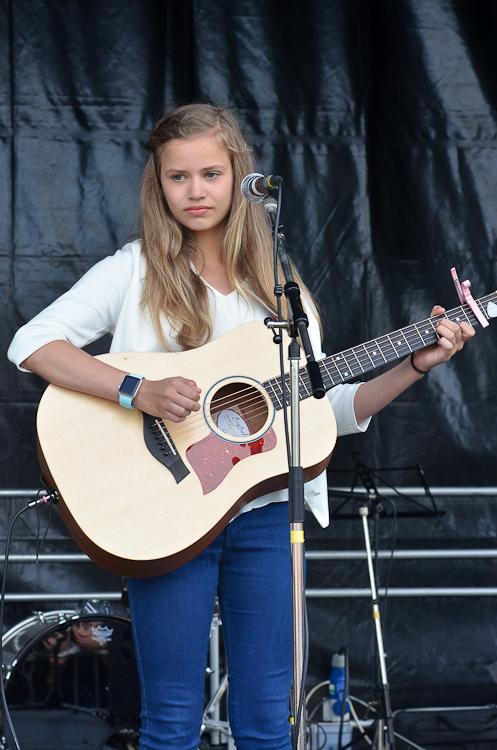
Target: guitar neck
[{"x": 352, "y": 363}]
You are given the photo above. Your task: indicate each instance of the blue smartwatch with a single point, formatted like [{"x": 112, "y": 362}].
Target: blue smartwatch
[{"x": 128, "y": 389}]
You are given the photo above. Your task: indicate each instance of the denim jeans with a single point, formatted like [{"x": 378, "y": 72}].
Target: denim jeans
[{"x": 248, "y": 566}]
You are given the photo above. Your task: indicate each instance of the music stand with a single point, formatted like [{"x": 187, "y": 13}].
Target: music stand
[{"x": 371, "y": 505}]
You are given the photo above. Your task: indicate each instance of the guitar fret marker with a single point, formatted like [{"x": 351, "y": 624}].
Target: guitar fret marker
[
  {"x": 434, "y": 326},
  {"x": 392, "y": 344},
  {"x": 369, "y": 357},
  {"x": 349, "y": 364}
]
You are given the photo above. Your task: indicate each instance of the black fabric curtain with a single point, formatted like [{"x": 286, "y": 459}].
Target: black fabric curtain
[{"x": 381, "y": 117}]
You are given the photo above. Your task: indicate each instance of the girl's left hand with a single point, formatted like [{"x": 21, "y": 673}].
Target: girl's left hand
[{"x": 453, "y": 336}]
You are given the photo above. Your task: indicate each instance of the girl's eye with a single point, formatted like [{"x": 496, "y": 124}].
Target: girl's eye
[
  {"x": 211, "y": 175},
  {"x": 178, "y": 177}
]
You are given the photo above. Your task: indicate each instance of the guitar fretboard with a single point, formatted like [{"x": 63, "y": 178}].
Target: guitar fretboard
[{"x": 352, "y": 363}]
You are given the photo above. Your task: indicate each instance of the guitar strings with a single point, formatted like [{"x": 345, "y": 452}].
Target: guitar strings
[
  {"x": 353, "y": 357},
  {"x": 361, "y": 354},
  {"x": 191, "y": 422},
  {"x": 411, "y": 336},
  {"x": 245, "y": 401},
  {"x": 241, "y": 398}
]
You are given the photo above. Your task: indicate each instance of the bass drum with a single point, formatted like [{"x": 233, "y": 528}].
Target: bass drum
[{"x": 71, "y": 682}]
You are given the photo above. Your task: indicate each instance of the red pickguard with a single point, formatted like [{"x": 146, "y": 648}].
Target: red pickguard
[{"x": 213, "y": 458}]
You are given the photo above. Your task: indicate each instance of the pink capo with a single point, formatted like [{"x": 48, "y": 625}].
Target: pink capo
[{"x": 465, "y": 296}]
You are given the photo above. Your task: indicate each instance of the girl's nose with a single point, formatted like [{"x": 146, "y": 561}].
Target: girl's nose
[{"x": 197, "y": 189}]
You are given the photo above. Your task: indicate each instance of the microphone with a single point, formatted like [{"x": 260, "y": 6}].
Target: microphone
[{"x": 255, "y": 186}]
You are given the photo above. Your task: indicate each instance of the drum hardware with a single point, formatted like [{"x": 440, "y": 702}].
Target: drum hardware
[
  {"x": 73, "y": 676},
  {"x": 217, "y": 726},
  {"x": 42, "y": 498},
  {"x": 59, "y": 681},
  {"x": 211, "y": 719}
]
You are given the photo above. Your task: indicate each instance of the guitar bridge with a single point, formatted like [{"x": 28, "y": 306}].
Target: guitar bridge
[{"x": 161, "y": 445}]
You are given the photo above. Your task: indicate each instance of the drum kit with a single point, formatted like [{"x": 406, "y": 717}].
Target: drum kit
[{"x": 71, "y": 682}]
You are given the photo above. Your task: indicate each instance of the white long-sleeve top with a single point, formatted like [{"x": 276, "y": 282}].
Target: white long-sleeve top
[{"x": 107, "y": 300}]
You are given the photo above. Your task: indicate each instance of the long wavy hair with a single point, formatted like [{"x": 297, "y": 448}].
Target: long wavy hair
[{"x": 172, "y": 288}]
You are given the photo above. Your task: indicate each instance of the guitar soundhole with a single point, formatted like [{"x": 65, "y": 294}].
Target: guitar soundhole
[{"x": 239, "y": 410}]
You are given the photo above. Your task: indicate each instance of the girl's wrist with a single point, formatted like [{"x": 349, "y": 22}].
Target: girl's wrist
[{"x": 421, "y": 372}]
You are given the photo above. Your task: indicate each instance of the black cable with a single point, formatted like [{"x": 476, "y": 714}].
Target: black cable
[
  {"x": 278, "y": 290},
  {"x": 39, "y": 545},
  {"x": 322, "y": 729},
  {"x": 49, "y": 521},
  {"x": 390, "y": 564},
  {"x": 49, "y": 497}
]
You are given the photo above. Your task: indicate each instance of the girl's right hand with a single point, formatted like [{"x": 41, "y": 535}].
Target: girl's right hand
[
  {"x": 172, "y": 399},
  {"x": 63, "y": 364}
]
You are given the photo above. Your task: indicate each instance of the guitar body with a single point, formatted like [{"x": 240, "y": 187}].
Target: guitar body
[
  {"x": 142, "y": 497},
  {"x": 126, "y": 509}
]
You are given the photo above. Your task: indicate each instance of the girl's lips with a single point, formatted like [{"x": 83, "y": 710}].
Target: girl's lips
[{"x": 197, "y": 210}]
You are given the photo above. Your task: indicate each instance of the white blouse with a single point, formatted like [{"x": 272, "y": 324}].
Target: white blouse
[{"x": 107, "y": 300}]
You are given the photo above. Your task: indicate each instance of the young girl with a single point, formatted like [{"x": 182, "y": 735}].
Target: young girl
[{"x": 203, "y": 266}]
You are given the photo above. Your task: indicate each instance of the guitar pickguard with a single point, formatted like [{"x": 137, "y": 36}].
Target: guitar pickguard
[{"x": 212, "y": 458}]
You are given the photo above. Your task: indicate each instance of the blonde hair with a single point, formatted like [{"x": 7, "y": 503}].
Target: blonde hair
[{"x": 172, "y": 287}]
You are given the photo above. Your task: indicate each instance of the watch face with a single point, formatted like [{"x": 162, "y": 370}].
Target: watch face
[{"x": 129, "y": 386}]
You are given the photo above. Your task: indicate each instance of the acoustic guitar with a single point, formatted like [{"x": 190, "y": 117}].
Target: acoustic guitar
[{"x": 142, "y": 496}]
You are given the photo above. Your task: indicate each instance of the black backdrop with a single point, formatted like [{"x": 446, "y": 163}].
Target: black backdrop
[{"x": 381, "y": 117}]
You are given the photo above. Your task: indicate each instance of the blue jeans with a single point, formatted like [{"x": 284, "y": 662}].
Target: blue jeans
[{"x": 248, "y": 566}]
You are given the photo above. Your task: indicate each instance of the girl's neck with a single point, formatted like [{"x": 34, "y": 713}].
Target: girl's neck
[
  {"x": 209, "y": 262},
  {"x": 210, "y": 244}
]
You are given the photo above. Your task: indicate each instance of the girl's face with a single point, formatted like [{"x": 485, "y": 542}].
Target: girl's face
[{"x": 197, "y": 180}]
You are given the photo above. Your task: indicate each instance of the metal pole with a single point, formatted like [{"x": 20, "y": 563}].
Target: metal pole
[
  {"x": 297, "y": 547},
  {"x": 385, "y": 735},
  {"x": 384, "y": 722},
  {"x": 214, "y": 668}
]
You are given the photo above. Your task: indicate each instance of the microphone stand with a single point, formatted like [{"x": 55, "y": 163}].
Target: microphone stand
[{"x": 296, "y": 325}]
